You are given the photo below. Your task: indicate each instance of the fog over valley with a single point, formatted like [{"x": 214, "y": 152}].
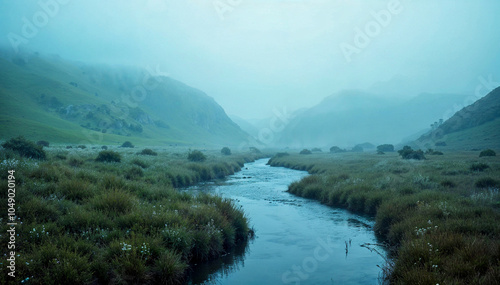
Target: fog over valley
[{"x": 250, "y": 142}]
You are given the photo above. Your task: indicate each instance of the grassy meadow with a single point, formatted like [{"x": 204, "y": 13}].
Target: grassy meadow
[
  {"x": 438, "y": 217},
  {"x": 83, "y": 221}
]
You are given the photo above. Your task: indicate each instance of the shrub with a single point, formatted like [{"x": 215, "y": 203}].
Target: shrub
[
  {"x": 43, "y": 143},
  {"x": 82, "y": 146},
  {"x": 108, "y": 156},
  {"x": 357, "y": 148},
  {"x": 225, "y": 151},
  {"x": 305, "y": 151},
  {"x": 479, "y": 166},
  {"x": 114, "y": 202},
  {"x": 75, "y": 162},
  {"x": 104, "y": 147},
  {"x": 61, "y": 156},
  {"x": 448, "y": 183},
  {"x": 134, "y": 173},
  {"x": 336, "y": 149},
  {"x": 408, "y": 153},
  {"x": 430, "y": 151},
  {"x": 385, "y": 148},
  {"x": 197, "y": 156},
  {"x": 128, "y": 144},
  {"x": 69, "y": 146},
  {"x": 140, "y": 163},
  {"x": 254, "y": 149},
  {"x": 281, "y": 154},
  {"x": 486, "y": 182},
  {"x": 25, "y": 148},
  {"x": 487, "y": 152},
  {"x": 148, "y": 151},
  {"x": 169, "y": 268}
]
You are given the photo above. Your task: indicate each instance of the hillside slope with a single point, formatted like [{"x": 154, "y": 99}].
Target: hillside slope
[
  {"x": 352, "y": 117},
  {"x": 476, "y": 126},
  {"x": 59, "y": 101}
]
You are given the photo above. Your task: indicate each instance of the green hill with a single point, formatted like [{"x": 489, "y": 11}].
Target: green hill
[
  {"x": 352, "y": 117},
  {"x": 476, "y": 126},
  {"x": 47, "y": 98}
]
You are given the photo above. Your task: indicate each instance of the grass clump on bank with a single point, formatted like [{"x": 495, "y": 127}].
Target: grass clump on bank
[
  {"x": 439, "y": 215},
  {"x": 88, "y": 222}
]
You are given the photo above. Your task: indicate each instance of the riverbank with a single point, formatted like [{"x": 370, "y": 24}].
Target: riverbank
[
  {"x": 297, "y": 240},
  {"x": 439, "y": 215},
  {"x": 82, "y": 221}
]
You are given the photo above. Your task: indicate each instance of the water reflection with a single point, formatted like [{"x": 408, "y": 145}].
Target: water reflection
[
  {"x": 298, "y": 241},
  {"x": 210, "y": 272}
]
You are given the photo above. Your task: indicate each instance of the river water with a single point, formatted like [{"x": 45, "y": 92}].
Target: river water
[{"x": 297, "y": 240}]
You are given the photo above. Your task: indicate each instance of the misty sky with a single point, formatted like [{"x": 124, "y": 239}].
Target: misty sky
[{"x": 256, "y": 55}]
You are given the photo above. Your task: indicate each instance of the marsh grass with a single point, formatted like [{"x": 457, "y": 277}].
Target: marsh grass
[
  {"x": 110, "y": 221},
  {"x": 439, "y": 216}
]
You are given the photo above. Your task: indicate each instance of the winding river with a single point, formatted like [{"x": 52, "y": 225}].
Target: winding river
[{"x": 297, "y": 241}]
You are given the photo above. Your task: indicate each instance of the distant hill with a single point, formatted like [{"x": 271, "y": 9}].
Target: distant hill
[
  {"x": 60, "y": 101},
  {"x": 352, "y": 117},
  {"x": 476, "y": 126}
]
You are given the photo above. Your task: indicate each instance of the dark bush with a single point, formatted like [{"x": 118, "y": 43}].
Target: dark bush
[
  {"x": 69, "y": 146},
  {"x": 140, "y": 163},
  {"x": 254, "y": 149},
  {"x": 225, "y": 151},
  {"x": 385, "y": 148},
  {"x": 430, "y": 151},
  {"x": 487, "y": 152},
  {"x": 61, "y": 156},
  {"x": 408, "y": 153},
  {"x": 128, "y": 144},
  {"x": 357, "y": 148},
  {"x": 336, "y": 149},
  {"x": 25, "y": 148},
  {"x": 108, "y": 156},
  {"x": 448, "y": 183},
  {"x": 305, "y": 151},
  {"x": 281, "y": 154},
  {"x": 479, "y": 166},
  {"x": 82, "y": 146},
  {"x": 486, "y": 182},
  {"x": 134, "y": 173},
  {"x": 104, "y": 147},
  {"x": 43, "y": 143},
  {"x": 197, "y": 156},
  {"x": 148, "y": 151},
  {"x": 75, "y": 162}
]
